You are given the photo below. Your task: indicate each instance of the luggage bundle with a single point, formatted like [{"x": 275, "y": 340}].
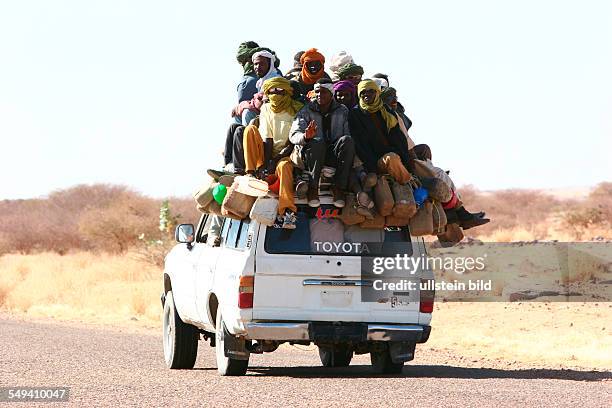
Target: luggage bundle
[{"x": 237, "y": 197}]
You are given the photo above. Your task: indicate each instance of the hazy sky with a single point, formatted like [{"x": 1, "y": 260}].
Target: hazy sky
[{"x": 507, "y": 93}]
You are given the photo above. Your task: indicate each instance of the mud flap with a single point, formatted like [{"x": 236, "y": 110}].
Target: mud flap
[
  {"x": 401, "y": 351},
  {"x": 235, "y": 347}
]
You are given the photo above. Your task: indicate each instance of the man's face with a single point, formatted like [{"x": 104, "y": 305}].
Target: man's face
[
  {"x": 323, "y": 96},
  {"x": 354, "y": 78},
  {"x": 345, "y": 98},
  {"x": 314, "y": 66},
  {"x": 261, "y": 65},
  {"x": 368, "y": 96},
  {"x": 392, "y": 102}
]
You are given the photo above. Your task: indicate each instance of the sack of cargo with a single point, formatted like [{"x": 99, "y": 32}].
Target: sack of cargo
[
  {"x": 204, "y": 195},
  {"x": 349, "y": 215},
  {"x": 452, "y": 236},
  {"x": 422, "y": 222},
  {"x": 438, "y": 218},
  {"x": 325, "y": 230},
  {"x": 235, "y": 204},
  {"x": 383, "y": 197},
  {"x": 429, "y": 170},
  {"x": 422, "y": 169},
  {"x": 264, "y": 210},
  {"x": 251, "y": 186},
  {"x": 227, "y": 180},
  {"x": 212, "y": 208},
  {"x": 405, "y": 206},
  {"x": 396, "y": 221},
  {"x": 377, "y": 222},
  {"x": 437, "y": 189}
]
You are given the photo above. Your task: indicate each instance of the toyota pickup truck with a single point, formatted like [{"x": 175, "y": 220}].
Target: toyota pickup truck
[{"x": 248, "y": 288}]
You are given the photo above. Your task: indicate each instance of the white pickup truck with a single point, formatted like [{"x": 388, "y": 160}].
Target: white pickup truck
[{"x": 249, "y": 288}]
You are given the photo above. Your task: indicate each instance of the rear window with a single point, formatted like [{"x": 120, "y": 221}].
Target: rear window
[{"x": 316, "y": 235}]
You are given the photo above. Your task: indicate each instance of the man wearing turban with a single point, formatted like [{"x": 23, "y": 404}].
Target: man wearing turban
[
  {"x": 351, "y": 72},
  {"x": 345, "y": 92},
  {"x": 268, "y": 146},
  {"x": 312, "y": 70},
  {"x": 321, "y": 137},
  {"x": 379, "y": 142}
]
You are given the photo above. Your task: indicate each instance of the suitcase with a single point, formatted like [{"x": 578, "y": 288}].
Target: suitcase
[
  {"x": 235, "y": 204},
  {"x": 422, "y": 222},
  {"x": 383, "y": 197},
  {"x": 265, "y": 210}
]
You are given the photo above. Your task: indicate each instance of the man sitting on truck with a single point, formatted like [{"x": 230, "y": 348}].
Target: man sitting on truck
[
  {"x": 312, "y": 70},
  {"x": 321, "y": 137},
  {"x": 379, "y": 142},
  {"x": 268, "y": 147}
]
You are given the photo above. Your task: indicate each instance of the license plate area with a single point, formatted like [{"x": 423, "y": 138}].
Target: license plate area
[{"x": 324, "y": 332}]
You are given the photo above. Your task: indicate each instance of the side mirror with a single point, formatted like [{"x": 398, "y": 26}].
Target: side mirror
[{"x": 185, "y": 234}]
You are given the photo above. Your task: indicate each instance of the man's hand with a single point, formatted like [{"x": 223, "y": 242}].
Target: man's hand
[{"x": 311, "y": 130}]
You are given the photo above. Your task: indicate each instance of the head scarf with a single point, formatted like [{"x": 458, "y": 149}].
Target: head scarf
[
  {"x": 296, "y": 59},
  {"x": 347, "y": 86},
  {"x": 387, "y": 94},
  {"x": 244, "y": 54},
  {"x": 272, "y": 71},
  {"x": 349, "y": 69},
  {"x": 381, "y": 82},
  {"x": 308, "y": 56},
  {"x": 281, "y": 103},
  {"x": 337, "y": 61},
  {"x": 376, "y": 105}
]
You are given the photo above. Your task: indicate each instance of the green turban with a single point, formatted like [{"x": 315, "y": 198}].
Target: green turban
[
  {"x": 244, "y": 54},
  {"x": 349, "y": 69}
]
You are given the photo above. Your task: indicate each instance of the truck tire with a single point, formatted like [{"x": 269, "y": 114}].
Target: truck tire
[
  {"x": 382, "y": 364},
  {"x": 226, "y": 366},
  {"x": 338, "y": 357},
  {"x": 180, "y": 338}
]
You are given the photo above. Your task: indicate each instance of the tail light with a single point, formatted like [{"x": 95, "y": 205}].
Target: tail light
[
  {"x": 245, "y": 292},
  {"x": 427, "y": 291}
]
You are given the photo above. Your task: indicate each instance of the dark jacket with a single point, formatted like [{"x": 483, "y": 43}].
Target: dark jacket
[
  {"x": 338, "y": 115},
  {"x": 371, "y": 143}
]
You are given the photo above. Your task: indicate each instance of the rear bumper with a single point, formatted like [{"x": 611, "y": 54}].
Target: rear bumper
[{"x": 336, "y": 332}]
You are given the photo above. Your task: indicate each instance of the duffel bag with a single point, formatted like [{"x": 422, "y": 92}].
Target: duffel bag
[
  {"x": 438, "y": 218},
  {"x": 405, "y": 206},
  {"x": 349, "y": 215},
  {"x": 422, "y": 222},
  {"x": 422, "y": 169},
  {"x": 396, "y": 221},
  {"x": 383, "y": 197},
  {"x": 264, "y": 210},
  {"x": 451, "y": 236},
  {"x": 437, "y": 189},
  {"x": 377, "y": 222},
  {"x": 235, "y": 204}
]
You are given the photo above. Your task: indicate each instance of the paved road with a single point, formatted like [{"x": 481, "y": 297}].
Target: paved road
[{"x": 113, "y": 367}]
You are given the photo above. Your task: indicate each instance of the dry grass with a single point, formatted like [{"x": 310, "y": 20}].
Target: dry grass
[
  {"x": 559, "y": 334},
  {"x": 83, "y": 286}
]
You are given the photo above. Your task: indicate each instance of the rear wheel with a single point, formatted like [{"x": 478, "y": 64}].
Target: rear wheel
[
  {"x": 382, "y": 363},
  {"x": 337, "y": 357},
  {"x": 226, "y": 365},
  {"x": 180, "y": 338}
]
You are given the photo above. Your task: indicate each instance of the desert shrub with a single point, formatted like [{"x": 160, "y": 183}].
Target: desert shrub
[
  {"x": 117, "y": 226},
  {"x": 593, "y": 213},
  {"x": 509, "y": 209}
]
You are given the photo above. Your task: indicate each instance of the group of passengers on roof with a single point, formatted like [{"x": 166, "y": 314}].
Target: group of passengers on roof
[{"x": 308, "y": 119}]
